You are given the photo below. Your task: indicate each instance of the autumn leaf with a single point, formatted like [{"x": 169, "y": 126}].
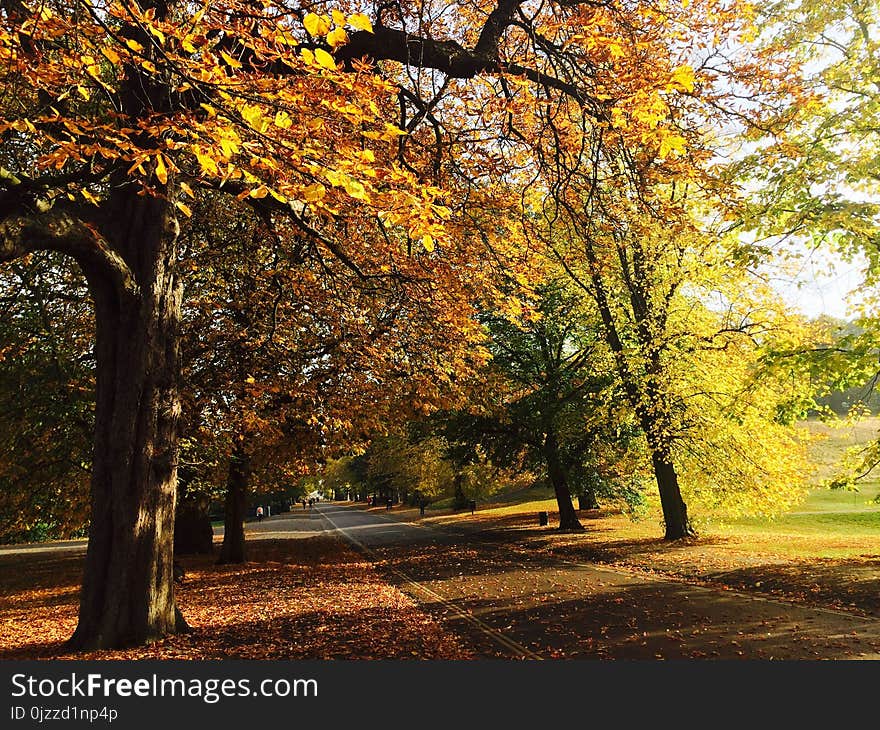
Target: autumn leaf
[
  {"x": 683, "y": 78},
  {"x": 324, "y": 59},
  {"x": 315, "y": 25},
  {"x": 161, "y": 170},
  {"x": 672, "y": 143},
  {"x": 359, "y": 21},
  {"x": 314, "y": 193},
  {"x": 337, "y": 37}
]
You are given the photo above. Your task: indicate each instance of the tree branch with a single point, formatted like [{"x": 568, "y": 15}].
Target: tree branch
[
  {"x": 58, "y": 230},
  {"x": 449, "y": 57}
]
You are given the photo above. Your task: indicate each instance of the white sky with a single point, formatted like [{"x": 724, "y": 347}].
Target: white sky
[{"x": 821, "y": 283}]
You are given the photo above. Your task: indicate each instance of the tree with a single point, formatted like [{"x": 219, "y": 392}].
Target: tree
[
  {"x": 814, "y": 185},
  {"x": 546, "y": 396},
  {"x": 112, "y": 113},
  {"x": 115, "y": 110},
  {"x": 292, "y": 359}
]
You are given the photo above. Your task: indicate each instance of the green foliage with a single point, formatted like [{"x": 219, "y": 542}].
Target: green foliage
[
  {"x": 46, "y": 383},
  {"x": 550, "y": 375}
]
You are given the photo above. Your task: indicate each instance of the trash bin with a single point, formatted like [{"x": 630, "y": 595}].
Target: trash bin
[
  {"x": 473, "y": 506},
  {"x": 542, "y": 519}
]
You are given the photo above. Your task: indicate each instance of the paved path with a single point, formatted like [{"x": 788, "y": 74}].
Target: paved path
[
  {"x": 511, "y": 603},
  {"x": 299, "y": 523},
  {"x": 507, "y": 602}
]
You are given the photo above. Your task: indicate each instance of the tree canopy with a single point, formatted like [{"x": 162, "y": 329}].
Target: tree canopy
[{"x": 301, "y": 227}]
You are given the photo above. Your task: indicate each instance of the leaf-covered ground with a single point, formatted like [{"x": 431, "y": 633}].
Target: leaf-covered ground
[
  {"x": 541, "y": 589},
  {"x": 311, "y": 598}
]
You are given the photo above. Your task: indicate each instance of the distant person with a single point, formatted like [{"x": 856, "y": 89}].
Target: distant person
[{"x": 259, "y": 514}]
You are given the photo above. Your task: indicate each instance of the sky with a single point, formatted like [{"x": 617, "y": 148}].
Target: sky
[{"x": 821, "y": 283}]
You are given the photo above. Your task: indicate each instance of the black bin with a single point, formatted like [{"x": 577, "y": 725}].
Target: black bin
[{"x": 543, "y": 519}]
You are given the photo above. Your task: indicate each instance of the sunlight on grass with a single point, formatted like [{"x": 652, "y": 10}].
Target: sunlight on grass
[{"x": 827, "y": 524}]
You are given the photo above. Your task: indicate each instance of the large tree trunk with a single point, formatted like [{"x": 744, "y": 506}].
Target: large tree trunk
[
  {"x": 232, "y": 550},
  {"x": 588, "y": 500},
  {"x": 568, "y": 519},
  {"x": 675, "y": 514},
  {"x": 193, "y": 534},
  {"x": 459, "y": 499},
  {"x": 127, "y": 595}
]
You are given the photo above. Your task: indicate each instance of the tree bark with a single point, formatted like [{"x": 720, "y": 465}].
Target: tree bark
[
  {"x": 675, "y": 514},
  {"x": 568, "y": 519},
  {"x": 459, "y": 500},
  {"x": 233, "y": 548},
  {"x": 193, "y": 534},
  {"x": 127, "y": 595},
  {"x": 588, "y": 500}
]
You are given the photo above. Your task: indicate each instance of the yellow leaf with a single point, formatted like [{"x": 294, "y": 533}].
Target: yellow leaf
[
  {"x": 161, "y": 170},
  {"x": 313, "y": 193},
  {"x": 338, "y": 17},
  {"x": 428, "y": 242},
  {"x": 359, "y": 21},
  {"x": 207, "y": 163},
  {"x": 253, "y": 115},
  {"x": 88, "y": 196},
  {"x": 616, "y": 50},
  {"x": 392, "y": 132},
  {"x": 325, "y": 59},
  {"x": 283, "y": 120},
  {"x": 683, "y": 76},
  {"x": 233, "y": 62},
  {"x": 134, "y": 45},
  {"x": 337, "y": 37},
  {"x": 110, "y": 54},
  {"x": 355, "y": 190},
  {"x": 260, "y": 192},
  {"x": 158, "y": 33},
  {"x": 184, "y": 208},
  {"x": 672, "y": 143},
  {"x": 315, "y": 25}
]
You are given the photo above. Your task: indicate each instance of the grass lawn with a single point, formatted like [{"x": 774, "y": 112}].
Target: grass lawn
[
  {"x": 825, "y": 550},
  {"x": 830, "y": 523}
]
